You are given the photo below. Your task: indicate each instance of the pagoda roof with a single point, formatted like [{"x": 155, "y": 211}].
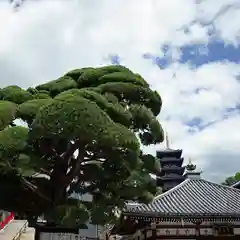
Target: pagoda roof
[
  {"x": 171, "y": 160},
  {"x": 169, "y": 153},
  {"x": 171, "y": 178},
  {"x": 172, "y": 169},
  {"x": 169, "y": 150},
  {"x": 192, "y": 197}
]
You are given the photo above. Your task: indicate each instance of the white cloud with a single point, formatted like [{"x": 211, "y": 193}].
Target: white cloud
[
  {"x": 224, "y": 14},
  {"x": 46, "y": 38}
]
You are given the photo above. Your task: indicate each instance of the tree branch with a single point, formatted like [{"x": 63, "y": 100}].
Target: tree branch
[
  {"x": 45, "y": 171},
  {"x": 75, "y": 168},
  {"x": 34, "y": 189},
  {"x": 61, "y": 164},
  {"x": 70, "y": 151}
]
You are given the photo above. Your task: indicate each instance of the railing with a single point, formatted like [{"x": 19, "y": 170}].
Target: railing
[
  {"x": 21, "y": 231},
  {"x": 65, "y": 236}
]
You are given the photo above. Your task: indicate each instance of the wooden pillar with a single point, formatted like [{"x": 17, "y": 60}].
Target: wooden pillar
[
  {"x": 154, "y": 230},
  {"x": 197, "y": 227},
  {"x": 145, "y": 234},
  {"x": 154, "y": 233}
]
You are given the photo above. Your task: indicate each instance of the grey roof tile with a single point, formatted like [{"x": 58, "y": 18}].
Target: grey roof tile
[
  {"x": 236, "y": 184},
  {"x": 193, "y": 197}
]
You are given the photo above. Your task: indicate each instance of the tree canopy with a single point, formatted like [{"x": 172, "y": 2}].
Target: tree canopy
[
  {"x": 232, "y": 179},
  {"x": 83, "y": 134}
]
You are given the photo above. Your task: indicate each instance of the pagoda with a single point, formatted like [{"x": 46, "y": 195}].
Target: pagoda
[{"x": 171, "y": 167}]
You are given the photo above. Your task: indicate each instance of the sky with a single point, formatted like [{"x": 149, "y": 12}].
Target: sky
[{"x": 187, "y": 50}]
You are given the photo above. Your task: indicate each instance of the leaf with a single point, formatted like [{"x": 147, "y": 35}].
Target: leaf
[
  {"x": 7, "y": 113},
  {"x": 13, "y": 140},
  {"x": 28, "y": 110},
  {"x": 57, "y": 86},
  {"x": 71, "y": 117},
  {"x": 23, "y": 165},
  {"x": 151, "y": 163},
  {"x": 15, "y": 94}
]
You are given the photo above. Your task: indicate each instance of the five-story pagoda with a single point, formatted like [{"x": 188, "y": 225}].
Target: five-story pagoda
[{"x": 171, "y": 161}]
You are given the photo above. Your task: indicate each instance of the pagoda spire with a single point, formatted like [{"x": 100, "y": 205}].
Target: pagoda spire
[
  {"x": 167, "y": 140},
  {"x": 191, "y": 172},
  {"x": 190, "y": 166}
]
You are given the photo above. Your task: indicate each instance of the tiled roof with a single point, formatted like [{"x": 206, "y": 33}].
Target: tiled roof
[
  {"x": 171, "y": 159},
  {"x": 193, "y": 197},
  {"x": 236, "y": 184},
  {"x": 169, "y": 152}
]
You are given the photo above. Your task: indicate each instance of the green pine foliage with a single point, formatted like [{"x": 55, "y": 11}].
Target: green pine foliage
[
  {"x": 83, "y": 134},
  {"x": 232, "y": 179}
]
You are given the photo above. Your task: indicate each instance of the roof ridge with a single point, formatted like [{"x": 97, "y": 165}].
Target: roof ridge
[
  {"x": 192, "y": 180},
  {"x": 161, "y": 195},
  {"x": 202, "y": 201},
  {"x": 220, "y": 185}
]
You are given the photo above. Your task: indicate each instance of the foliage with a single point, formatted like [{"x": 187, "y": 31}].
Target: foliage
[
  {"x": 232, "y": 179},
  {"x": 83, "y": 135}
]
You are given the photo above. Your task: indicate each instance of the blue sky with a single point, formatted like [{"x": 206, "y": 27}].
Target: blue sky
[
  {"x": 191, "y": 59},
  {"x": 196, "y": 55}
]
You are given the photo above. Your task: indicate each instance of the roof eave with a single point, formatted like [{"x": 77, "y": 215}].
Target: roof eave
[
  {"x": 183, "y": 215},
  {"x": 235, "y": 185}
]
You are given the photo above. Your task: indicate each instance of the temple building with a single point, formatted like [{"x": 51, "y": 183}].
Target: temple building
[
  {"x": 189, "y": 207},
  {"x": 194, "y": 209}
]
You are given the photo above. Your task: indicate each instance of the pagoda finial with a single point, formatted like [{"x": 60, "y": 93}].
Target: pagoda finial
[
  {"x": 167, "y": 140},
  {"x": 190, "y": 166}
]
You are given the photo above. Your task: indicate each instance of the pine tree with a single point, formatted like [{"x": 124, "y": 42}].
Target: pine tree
[{"x": 83, "y": 134}]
